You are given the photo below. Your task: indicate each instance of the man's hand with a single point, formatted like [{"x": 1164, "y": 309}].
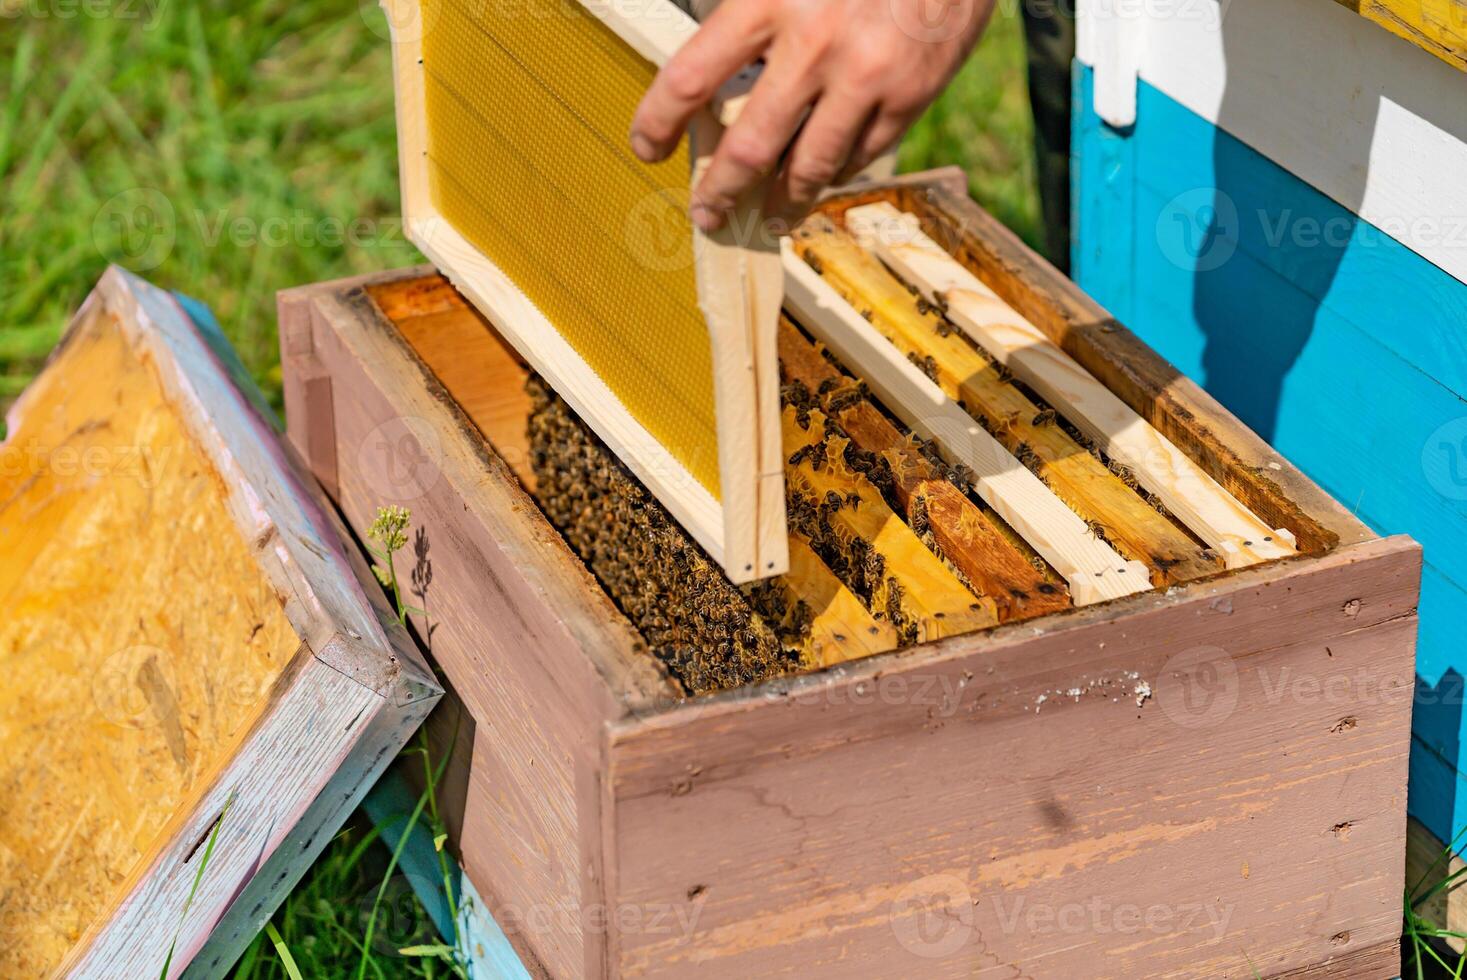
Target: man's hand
[{"x": 862, "y": 69}]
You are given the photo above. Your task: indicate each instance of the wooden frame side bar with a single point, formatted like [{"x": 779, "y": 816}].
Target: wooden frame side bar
[
  {"x": 1231, "y": 453},
  {"x": 1186, "y": 490},
  {"x": 740, "y": 291},
  {"x": 1092, "y": 569}
]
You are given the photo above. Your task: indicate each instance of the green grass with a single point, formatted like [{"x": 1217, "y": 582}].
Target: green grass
[
  {"x": 982, "y": 123},
  {"x": 231, "y": 150},
  {"x": 1424, "y": 949},
  {"x": 232, "y": 153},
  {"x": 216, "y": 152},
  {"x": 323, "y": 924}
]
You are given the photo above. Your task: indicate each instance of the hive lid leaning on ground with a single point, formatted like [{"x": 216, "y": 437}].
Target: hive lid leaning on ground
[
  {"x": 200, "y": 685},
  {"x": 519, "y": 183}
]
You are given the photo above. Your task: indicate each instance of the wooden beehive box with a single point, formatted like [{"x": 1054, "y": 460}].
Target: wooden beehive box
[
  {"x": 1205, "y": 154},
  {"x": 199, "y": 686},
  {"x": 1206, "y": 777}
]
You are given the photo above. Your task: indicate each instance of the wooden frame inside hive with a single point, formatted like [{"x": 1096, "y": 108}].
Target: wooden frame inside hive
[
  {"x": 1105, "y": 539},
  {"x": 733, "y": 505}
]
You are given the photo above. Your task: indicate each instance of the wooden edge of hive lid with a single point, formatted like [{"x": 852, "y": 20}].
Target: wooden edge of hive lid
[
  {"x": 345, "y": 688},
  {"x": 736, "y": 272}
]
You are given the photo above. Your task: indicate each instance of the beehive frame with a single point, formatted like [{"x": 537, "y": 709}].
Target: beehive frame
[
  {"x": 739, "y": 284},
  {"x": 853, "y": 321}
]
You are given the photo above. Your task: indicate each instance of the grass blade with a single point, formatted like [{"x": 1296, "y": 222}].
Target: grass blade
[
  {"x": 283, "y": 951},
  {"x": 386, "y": 878},
  {"x": 20, "y": 76},
  {"x": 194, "y": 889}
]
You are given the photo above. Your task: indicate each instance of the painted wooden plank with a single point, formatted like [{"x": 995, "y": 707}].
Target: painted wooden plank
[
  {"x": 1187, "y": 491},
  {"x": 276, "y": 861},
  {"x": 1434, "y": 788},
  {"x": 1092, "y": 569},
  {"x": 1441, "y": 672},
  {"x": 1374, "y": 123},
  {"x": 1371, "y": 458},
  {"x": 1438, "y": 787},
  {"x": 1438, "y": 26},
  {"x": 494, "y": 956},
  {"x": 1266, "y": 348},
  {"x": 1221, "y": 195},
  {"x": 1102, "y": 190},
  {"x": 389, "y": 805},
  {"x": 1111, "y": 40},
  {"x": 213, "y": 336},
  {"x": 485, "y": 950},
  {"x": 1252, "y": 842}
]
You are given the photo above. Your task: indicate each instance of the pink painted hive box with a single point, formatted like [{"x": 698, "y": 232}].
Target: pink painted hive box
[{"x": 943, "y": 743}]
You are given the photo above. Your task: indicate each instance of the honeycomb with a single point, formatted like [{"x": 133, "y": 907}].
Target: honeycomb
[{"x": 528, "y": 104}]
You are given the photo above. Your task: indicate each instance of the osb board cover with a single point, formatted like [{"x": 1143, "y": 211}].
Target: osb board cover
[{"x": 140, "y": 639}]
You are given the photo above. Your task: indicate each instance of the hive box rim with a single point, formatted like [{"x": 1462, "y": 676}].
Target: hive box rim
[{"x": 663, "y": 699}]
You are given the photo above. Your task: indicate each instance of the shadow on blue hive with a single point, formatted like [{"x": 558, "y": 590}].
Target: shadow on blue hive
[
  {"x": 1254, "y": 336},
  {"x": 1436, "y": 745}
]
